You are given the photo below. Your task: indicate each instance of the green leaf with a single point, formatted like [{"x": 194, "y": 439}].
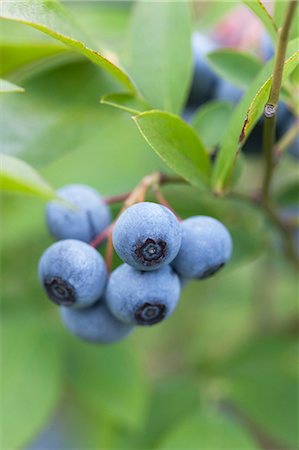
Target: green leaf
[
  {"x": 280, "y": 9},
  {"x": 288, "y": 195},
  {"x": 210, "y": 122},
  {"x": 18, "y": 176},
  {"x": 208, "y": 431},
  {"x": 51, "y": 18},
  {"x": 50, "y": 120},
  {"x": 172, "y": 401},
  {"x": 239, "y": 68},
  {"x": 31, "y": 376},
  {"x": 109, "y": 379},
  {"x": 177, "y": 144},
  {"x": 236, "y": 129},
  {"x": 263, "y": 380},
  {"x": 125, "y": 102},
  {"x": 209, "y": 16},
  {"x": 8, "y": 87},
  {"x": 261, "y": 12},
  {"x": 23, "y": 47},
  {"x": 159, "y": 55}
]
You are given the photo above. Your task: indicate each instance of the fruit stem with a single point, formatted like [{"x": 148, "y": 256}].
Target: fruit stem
[
  {"x": 162, "y": 200},
  {"x": 101, "y": 237},
  {"x": 270, "y": 110},
  {"x": 116, "y": 198},
  {"x": 138, "y": 194}
]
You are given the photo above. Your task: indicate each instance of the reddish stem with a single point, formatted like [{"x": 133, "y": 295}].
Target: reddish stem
[
  {"x": 162, "y": 200},
  {"x": 101, "y": 237},
  {"x": 117, "y": 198}
]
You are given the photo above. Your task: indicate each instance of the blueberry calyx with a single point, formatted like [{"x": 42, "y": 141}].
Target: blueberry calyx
[
  {"x": 212, "y": 270},
  {"x": 150, "y": 252},
  {"x": 150, "y": 313},
  {"x": 60, "y": 291}
]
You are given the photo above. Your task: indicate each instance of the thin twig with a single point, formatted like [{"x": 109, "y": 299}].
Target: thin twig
[
  {"x": 162, "y": 200},
  {"x": 116, "y": 198},
  {"x": 270, "y": 110}
]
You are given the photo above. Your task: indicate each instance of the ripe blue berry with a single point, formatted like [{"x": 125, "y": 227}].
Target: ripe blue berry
[
  {"x": 85, "y": 222},
  {"x": 206, "y": 247},
  {"x": 95, "y": 324},
  {"x": 228, "y": 92},
  {"x": 72, "y": 273},
  {"x": 266, "y": 47},
  {"x": 147, "y": 236},
  {"x": 142, "y": 298},
  {"x": 204, "y": 79}
]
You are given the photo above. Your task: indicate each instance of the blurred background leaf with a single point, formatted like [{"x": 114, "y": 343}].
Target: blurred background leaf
[
  {"x": 17, "y": 176},
  {"x": 159, "y": 52},
  {"x": 7, "y": 87},
  {"x": 210, "y": 122},
  {"x": 239, "y": 68},
  {"x": 32, "y": 351}
]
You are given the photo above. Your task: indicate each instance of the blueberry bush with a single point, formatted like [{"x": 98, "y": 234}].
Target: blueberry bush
[{"x": 149, "y": 189}]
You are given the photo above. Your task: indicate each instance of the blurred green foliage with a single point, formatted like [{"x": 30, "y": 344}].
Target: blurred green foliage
[{"x": 222, "y": 372}]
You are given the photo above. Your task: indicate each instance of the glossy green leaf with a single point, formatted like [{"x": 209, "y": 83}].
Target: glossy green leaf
[
  {"x": 7, "y": 87},
  {"x": 18, "y": 176},
  {"x": 210, "y": 122},
  {"x": 110, "y": 380},
  {"x": 235, "y": 133},
  {"x": 51, "y": 18},
  {"x": 125, "y": 102},
  {"x": 263, "y": 379},
  {"x": 23, "y": 47},
  {"x": 258, "y": 8},
  {"x": 159, "y": 56},
  {"x": 31, "y": 376},
  {"x": 208, "y": 431},
  {"x": 177, "y": 144},
  {"x": 239, "y": 68}
]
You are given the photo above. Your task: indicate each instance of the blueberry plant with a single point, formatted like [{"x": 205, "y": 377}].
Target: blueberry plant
[{"x": 204, "y": 228}]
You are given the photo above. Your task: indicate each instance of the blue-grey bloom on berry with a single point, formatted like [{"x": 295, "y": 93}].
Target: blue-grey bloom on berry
[
  {"x": 89, "y": 217},
  {"x": 94, "y": 324},
  {"x": 206, "y": 247},
  {"x": 72, "y": 273},
  {"x": 142, "y": 298},
  {"x": 147, "y": 236}
]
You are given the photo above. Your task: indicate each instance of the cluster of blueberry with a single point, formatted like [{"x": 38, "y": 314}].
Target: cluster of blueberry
[
  {"x": 207, "y": 86},
  {"x": 158, "y": 250}
]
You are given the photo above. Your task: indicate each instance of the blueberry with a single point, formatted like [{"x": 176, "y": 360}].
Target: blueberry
[
  {"x": 147, "y": 236},
  {"x": 267, "y": 49},
  {"x": 85, "y": 222},
  {"x": 72, "y": 273},
  {"x": 294, "y": 148},
  {"x": 95, "y": 324},
  {"x": 206, "y": 247},
  {"x": 227, "y": 91},
  {"x": 142, "y": 298},
  {"x": 204, "y": 79}
]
